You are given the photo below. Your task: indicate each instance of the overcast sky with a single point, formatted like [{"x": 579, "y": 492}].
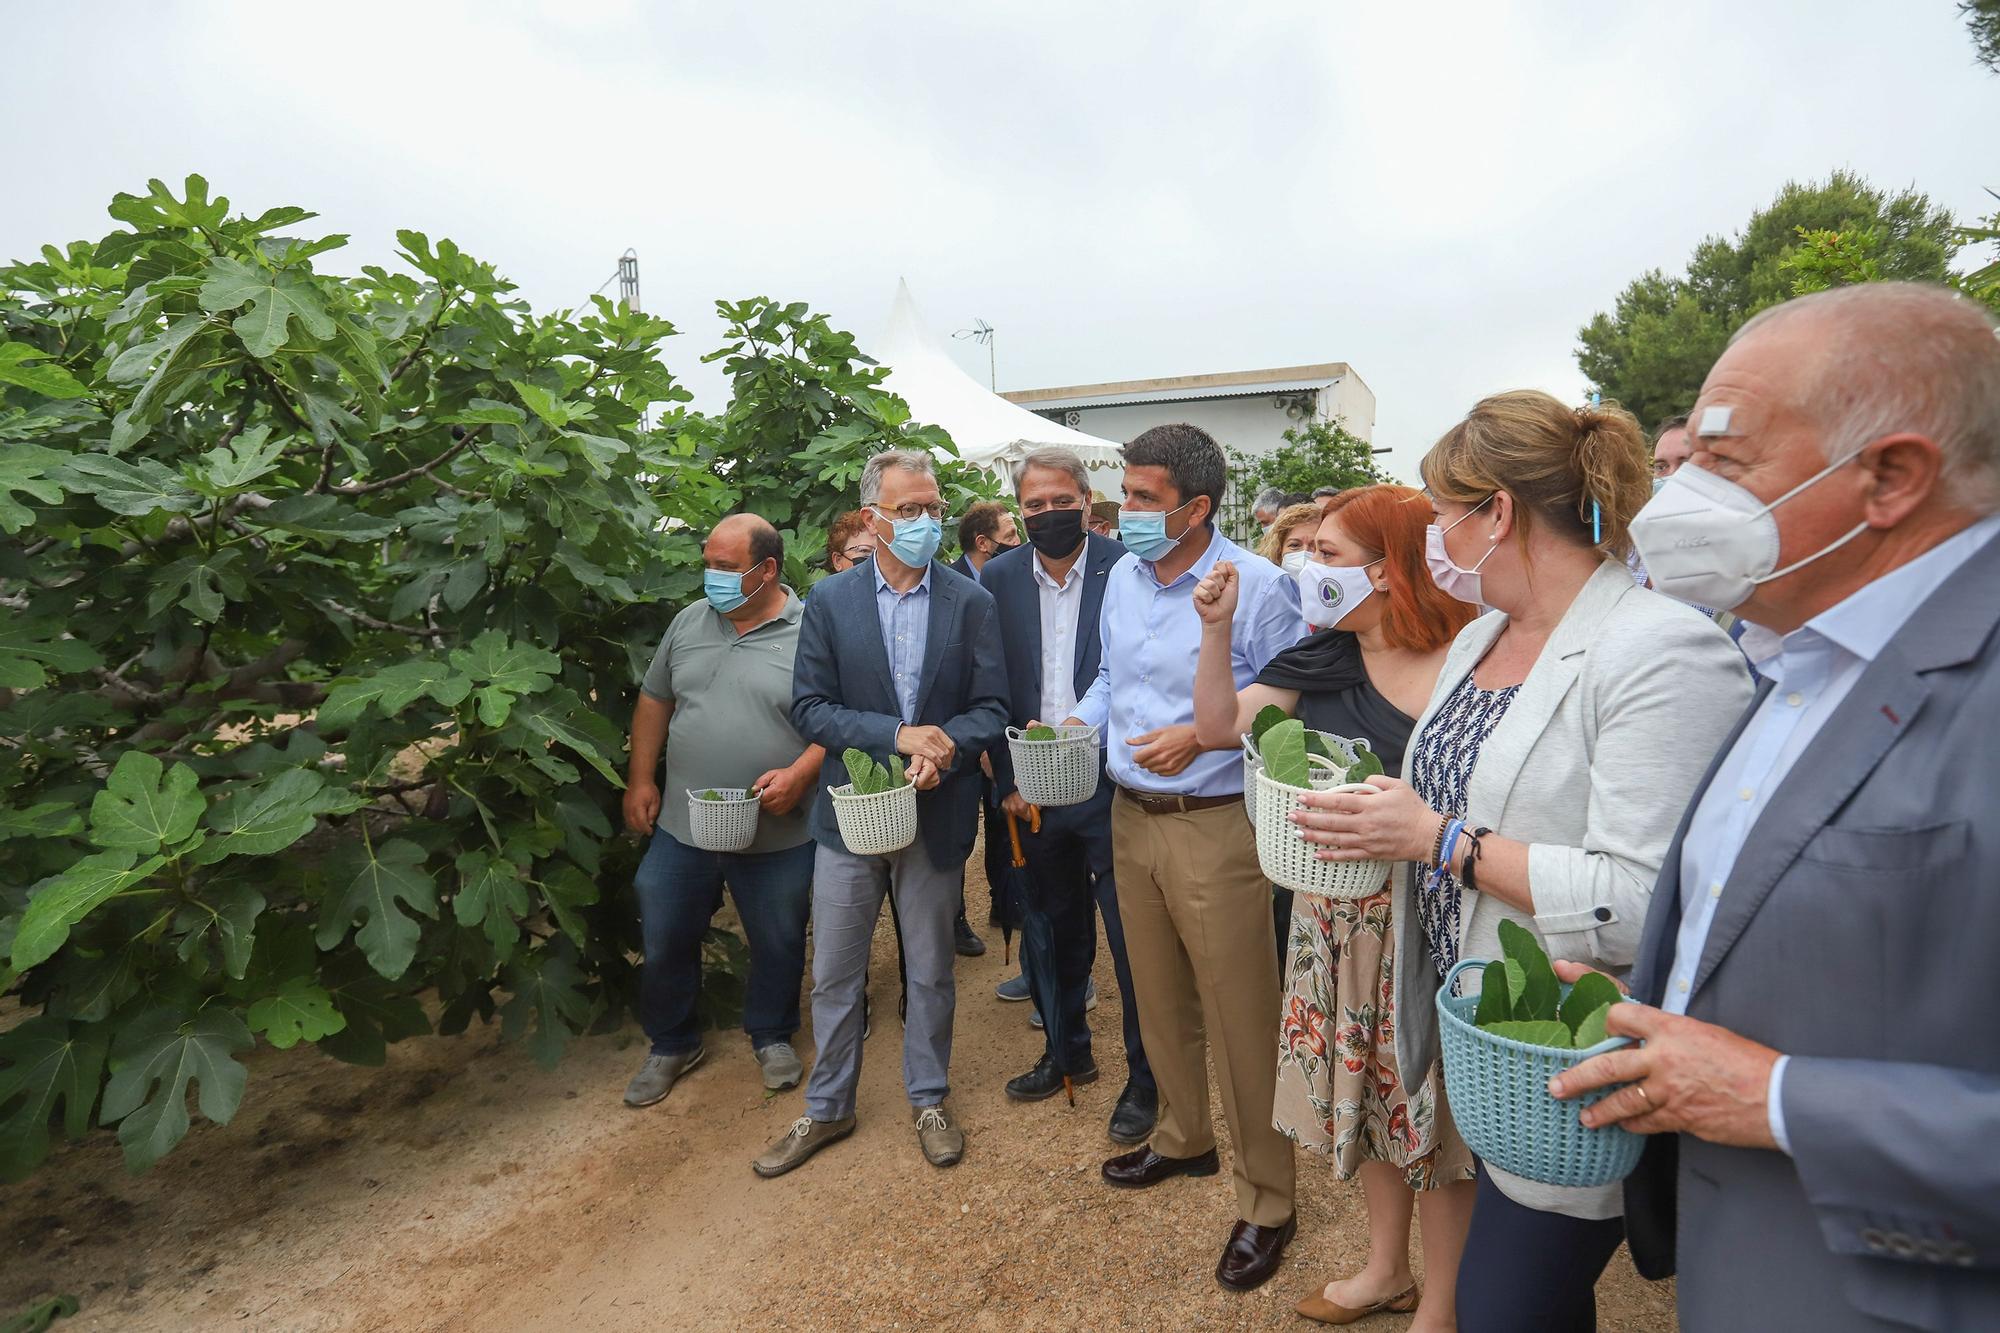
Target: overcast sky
[{"x": 1438, "y": 194}]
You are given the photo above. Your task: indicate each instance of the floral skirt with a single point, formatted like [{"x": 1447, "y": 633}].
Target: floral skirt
[{"x": 1339, "y": 1092}]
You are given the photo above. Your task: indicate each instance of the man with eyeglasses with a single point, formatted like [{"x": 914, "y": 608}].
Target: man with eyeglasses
[{"x": 896, "y": 656}]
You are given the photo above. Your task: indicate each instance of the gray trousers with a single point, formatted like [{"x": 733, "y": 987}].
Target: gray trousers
[{"x": 847, "y": 900}]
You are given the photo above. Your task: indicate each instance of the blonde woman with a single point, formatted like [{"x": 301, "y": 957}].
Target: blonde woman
[
  {"x": 1542, "y": 783},
  {"x": 1291, "y": 534}
]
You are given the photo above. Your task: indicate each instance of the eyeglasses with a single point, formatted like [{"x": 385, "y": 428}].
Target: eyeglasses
[
  {"x": 910, "y": 511},
  {"x": 857, "y": 554}
]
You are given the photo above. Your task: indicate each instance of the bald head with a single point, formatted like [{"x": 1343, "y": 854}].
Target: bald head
[
  {"x": 751, "y": 537},
  {"x": 1884, "y": 358}
]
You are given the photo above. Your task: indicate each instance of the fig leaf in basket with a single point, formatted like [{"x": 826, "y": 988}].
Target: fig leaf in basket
[
  {"x": 1535, "y": 1032},
  {"x": 1284, "y": 752},
  {"x": 710, "y": 795},
  {"x": 1496, "y": 1000},
  {"x": 1593, "y": 991},
  {"x": 1270, "y": 715},
  {"x": 1592, "y": 1030},
  {"x": 1039, "y": 732},
  {"x": 1365, "y": 766},
  {"x": 1540, "y": 996},
  {"x": 1316, "y": 744},
  {"x": 895, "y": 777},
  {"x": 867, "y": 776}
]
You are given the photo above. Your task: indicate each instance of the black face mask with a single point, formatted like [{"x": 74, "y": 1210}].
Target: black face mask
[{"x": 1056, "y": 532}]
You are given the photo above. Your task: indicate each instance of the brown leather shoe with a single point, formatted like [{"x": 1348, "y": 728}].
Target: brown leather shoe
[
  {"x": 1253, "y": 1254},
  {"x": 1320, "y": 1310},
  {"x": 1142, "y": 1167}
]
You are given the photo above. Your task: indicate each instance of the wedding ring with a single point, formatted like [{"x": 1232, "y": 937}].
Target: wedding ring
[{"x": 1640, "y": 1088}]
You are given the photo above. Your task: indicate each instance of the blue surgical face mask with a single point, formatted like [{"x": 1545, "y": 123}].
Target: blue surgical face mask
[
  {"x": 724, "y": 589},
  {"x": 916, "y": 539},
  {"x": 1144, "y": 531}
]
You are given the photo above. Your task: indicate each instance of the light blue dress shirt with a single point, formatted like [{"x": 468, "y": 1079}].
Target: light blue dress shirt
[
  {"x": 1812, "y": 669},
  {"x": 1151, "y": 636},
  {"x": 906, "y": 628}
]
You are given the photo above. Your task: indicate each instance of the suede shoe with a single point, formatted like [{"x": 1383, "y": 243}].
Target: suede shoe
[
  {"x": 657, "y": 1076},
  {"x": 1132, "y": 1120},
  {"x": 1137, "y": 1170},
  {"x": 806, "y": 1137},
  {"x": 1253, "y": 1254},
  {"x": 1045, "y": 1081},
  {"x": 1014, "y": 989},
  {"x": 942, "y": 1141},
  {"x": 781, "y": 1066}
]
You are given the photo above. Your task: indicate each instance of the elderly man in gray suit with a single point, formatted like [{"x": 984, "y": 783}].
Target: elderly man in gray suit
[
  {"x": 1821, "y": 1066},
  {"x": 898, "y": 655}
]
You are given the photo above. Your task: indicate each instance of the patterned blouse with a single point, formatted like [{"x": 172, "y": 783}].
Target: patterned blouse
[{"x": 1447, "y": 750}]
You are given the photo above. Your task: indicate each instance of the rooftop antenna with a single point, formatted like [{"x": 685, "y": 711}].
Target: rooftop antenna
[
  {"x": 626, "y": 275},
  {"x": 982, "y": 332}
]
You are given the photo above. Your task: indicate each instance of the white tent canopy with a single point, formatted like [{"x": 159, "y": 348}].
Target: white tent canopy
[{"x": 988, "y": 430}]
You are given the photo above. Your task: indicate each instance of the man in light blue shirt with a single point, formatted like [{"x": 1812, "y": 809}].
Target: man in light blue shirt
[
  {"x": 1195, "y": 906},
  {"x": 1818, "y": 1071}
]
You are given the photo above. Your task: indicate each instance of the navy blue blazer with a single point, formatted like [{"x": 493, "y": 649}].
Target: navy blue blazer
[
  {"x": 843, "y": 696},
  {"x": 1010, "y": 578}
]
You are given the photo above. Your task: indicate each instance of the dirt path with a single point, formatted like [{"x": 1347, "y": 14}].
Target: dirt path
[{"x": 462, "y": 1188}]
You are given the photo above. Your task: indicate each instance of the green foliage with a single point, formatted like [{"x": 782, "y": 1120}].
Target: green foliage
[
  {"x": 324, "y": 599},
  {"x": 1539, "y": 994},
  {"x": 1592, "y": 991},
  {"x": 1318, "y": 453},
  {"x": 1496, "y": 996},
  {"x": 869, "y": 777},
  {"x": 1982, "y": 20},
  {"x": 1651, "y": 352},
  {"x": 1040, "y": 732},
  {"x": 1592, "y": 1029},
  {"x": 1283, "y": 750},
  {"x": 1533, "y": 1031},
  {"x": 1270, "y": 715}
]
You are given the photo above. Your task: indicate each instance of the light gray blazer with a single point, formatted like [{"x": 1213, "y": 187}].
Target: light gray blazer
[
  {"x": 1591, "y": 766},
  {"x": 1857, "y": 933}
]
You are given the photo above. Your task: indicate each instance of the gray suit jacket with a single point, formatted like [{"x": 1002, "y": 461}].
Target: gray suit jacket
[
  {"x": 843, "y": 696},
  {"x": 1857, "y": 935}
]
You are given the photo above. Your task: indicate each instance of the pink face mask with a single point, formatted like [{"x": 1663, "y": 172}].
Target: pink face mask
[{"x": 1462, "y": 584}]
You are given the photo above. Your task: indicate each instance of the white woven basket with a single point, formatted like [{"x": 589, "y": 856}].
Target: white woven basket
[
  {"x": 728, "y": 824},
  {"x": 1253, "y": 764},
  {"x": 875, "y": 825},
  {"x": 1058, "y": 772},
  {"x": 1287, "y": 860}
]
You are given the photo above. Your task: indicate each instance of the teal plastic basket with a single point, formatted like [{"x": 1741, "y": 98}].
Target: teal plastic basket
[{"x": 1499, "y": 1094}]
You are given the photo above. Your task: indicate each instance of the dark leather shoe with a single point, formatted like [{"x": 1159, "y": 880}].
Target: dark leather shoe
[
  {"x": 968, "y": 944},
  {"x": 1132, "y": 1120},
  {"x": 1045, "y": 1081},
  {"x": 1253, "y": 1254},
  {"x": 1137, "y": 1170}
]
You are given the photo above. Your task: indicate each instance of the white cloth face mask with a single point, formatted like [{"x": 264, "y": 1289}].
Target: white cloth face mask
[
  {"x": 1327, "y": 593},
  {"x": 1704, "y": 539}
]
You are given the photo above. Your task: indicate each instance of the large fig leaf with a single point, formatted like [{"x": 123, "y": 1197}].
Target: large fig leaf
[
  {"x": 301, "y": 1011},
  {"x": 47, "y": 1061},
  {"x": 1535, "y": 1032},
  {"x": 1592, "y": 991},
  {"x": 547, "y": 993},
  {"x": 1496, "y": 1000},
  {"x": 1270, "y": 715},
  {"x": 1592, "y": 1029},
  {"x": 145, "y": 805},
  {"x": 381, "y": 876},
  {"x": 1283, "y": 750},
  {"x": 71, "y": 896},
  {"x": 1541, "y": 993},
  {"x": 260, "y": 818},
  {"x": 153, "y": 1062}
]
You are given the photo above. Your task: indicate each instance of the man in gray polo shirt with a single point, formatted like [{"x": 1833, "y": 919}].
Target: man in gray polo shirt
[{"x": 723, "y": 677}]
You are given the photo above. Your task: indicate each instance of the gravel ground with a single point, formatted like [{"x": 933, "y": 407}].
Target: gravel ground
[{"x": 462, "y": 1188}]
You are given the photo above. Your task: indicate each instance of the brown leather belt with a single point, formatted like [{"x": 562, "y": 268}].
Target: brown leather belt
[{"x": 1162, "y": 803}]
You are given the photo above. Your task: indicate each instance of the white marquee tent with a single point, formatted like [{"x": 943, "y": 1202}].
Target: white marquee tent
[{"x": 988, "y": 430}]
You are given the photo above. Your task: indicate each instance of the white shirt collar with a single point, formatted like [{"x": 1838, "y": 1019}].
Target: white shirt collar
[{"x": 1043, "y": 577}]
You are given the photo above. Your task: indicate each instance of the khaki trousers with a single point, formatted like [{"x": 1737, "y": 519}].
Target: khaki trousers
[{"x": 1197, "y": 915}]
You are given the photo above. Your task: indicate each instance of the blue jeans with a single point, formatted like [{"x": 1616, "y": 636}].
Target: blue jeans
[{"x": 680, "y": 889}]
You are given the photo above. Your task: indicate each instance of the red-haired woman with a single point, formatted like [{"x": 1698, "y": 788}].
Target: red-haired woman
[{"x": 1383, "y": 628}]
